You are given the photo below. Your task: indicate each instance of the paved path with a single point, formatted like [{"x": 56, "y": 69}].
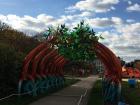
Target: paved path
[{"x": 73, "y": 95}]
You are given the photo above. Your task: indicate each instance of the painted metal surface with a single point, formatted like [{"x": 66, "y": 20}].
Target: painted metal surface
[
  {"x": 112, "y": 76},
  {"x": 43, "y": 71}
]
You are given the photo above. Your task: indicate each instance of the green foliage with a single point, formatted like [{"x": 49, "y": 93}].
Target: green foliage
[
  {"x": 75, "y": 44},
  {"x": 10, "y": 66},
  {"x": 131, "y": 95},
  {"x": 14, "y": 46},
  {"x": 96, "y": 97},
  {"x": 20, "y": 41}
]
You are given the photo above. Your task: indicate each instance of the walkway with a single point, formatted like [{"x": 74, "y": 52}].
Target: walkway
[{"x": 74, "y": 95}]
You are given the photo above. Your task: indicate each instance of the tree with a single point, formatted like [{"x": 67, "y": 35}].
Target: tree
[
  {"x": 75, "y": 44},
  {"x": 14, "y": 46},
  {"x": 19, "y": 40},
  {"x": 4, "y": 26},
  {"x": 10, "y": 66}
]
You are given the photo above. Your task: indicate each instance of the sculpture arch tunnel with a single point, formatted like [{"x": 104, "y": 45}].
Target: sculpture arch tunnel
[
  {"x": 40, "y": 70},
  {"x": 43, "y": 70}
]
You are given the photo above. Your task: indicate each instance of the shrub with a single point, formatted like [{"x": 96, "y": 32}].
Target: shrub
[{"x": 10, "y": 66}]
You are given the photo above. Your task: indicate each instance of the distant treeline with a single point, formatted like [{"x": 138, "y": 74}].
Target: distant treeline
[{"x": 14, "y": 46}]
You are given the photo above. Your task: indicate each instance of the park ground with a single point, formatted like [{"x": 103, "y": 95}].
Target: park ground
[
  {"x": 76, "y": 94},
  {"x": 87, "y": 91},
  {"x": 131, "y": 96}
]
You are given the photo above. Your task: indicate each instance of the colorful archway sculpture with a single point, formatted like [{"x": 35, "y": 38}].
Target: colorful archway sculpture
[
  {"x": 43, "y": 70},
  {"x": 112, "y": 76},
  {"x": 40, "y": 70}
]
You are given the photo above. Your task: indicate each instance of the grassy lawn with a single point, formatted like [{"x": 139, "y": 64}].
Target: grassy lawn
[
  {"x": 132, "y": 95},
  {"x": 96, "y": 94},
  {"x": 27, "y": 99}
]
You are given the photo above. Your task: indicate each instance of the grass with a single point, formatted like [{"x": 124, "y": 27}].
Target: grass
[
  {"x": 96, "y": 94},
  {"x": 132, "y": 95},
  {"x": 27, "y": 99}
]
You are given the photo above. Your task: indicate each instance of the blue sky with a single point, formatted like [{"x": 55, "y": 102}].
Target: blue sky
[
  {"x": 34, "y": 7},
  {"x": 117, "y": 20},
  {"x": 57, "y": 8}
]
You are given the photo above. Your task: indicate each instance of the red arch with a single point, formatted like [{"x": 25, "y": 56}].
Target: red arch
[
  {"x": 36, "y": 61},
  {"x": 42, "y": 54},
  {"x": 111, "y": 62},
  {"x": 42, "y": 57},
  {"x": 28, "y": 59},
  {"x": 47, "y": 62}
]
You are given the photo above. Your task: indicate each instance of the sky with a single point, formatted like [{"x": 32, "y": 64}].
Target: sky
[{"x": 118, "y": 21}]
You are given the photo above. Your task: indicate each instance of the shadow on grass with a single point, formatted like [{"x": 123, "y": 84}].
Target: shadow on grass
[
  {"x": 132, "y": 95},
  {"x": 96, "y": 97},
  {"x": 27, "y": 99}
]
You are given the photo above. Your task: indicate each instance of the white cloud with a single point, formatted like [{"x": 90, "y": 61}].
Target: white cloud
[
  {"x": 77, "y": 17},
  {"x": 124, "y": 39},
  {"x": 135, "y": 7},
  {"x": 41, "y": 22},
  {"x": 129, "y": 2},
  {"x": 105, "y": 22},
  {"x": 31, "y": 24},
  {"x": 94, "y": 5},
  {"x": 3, "y": 18},
  {"x": 85, "y": 14},
  {"x": 113, "y": 8},
  {"x": 45, "y": 18},
  {"x": 70, "y": 9},
  {"x": 126, "y": 43},
  {"x": 131, "y": 29},
  {"x": 130, "y": 20}
]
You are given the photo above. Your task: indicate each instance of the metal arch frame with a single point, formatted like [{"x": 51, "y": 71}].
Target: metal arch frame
[
  {"x": 105, "y": 59},
  {"x": 28, "y": 59},
  {"x": 50, "y": 65},
  {"x": 114, "y": 62},
  {"x": 47, "y": 62},
  {"x": 42, "y": 55},
  {"x": 46, "y": 59},
  {"x": 59, "y": 64},
  {"x": 35, "y": 63},
  {"x": 55, "y": 61},
  {"x": 112, "y": 77}
]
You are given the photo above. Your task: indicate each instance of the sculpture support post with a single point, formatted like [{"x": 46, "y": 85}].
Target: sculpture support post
[{"x": 112, "y": 76}]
